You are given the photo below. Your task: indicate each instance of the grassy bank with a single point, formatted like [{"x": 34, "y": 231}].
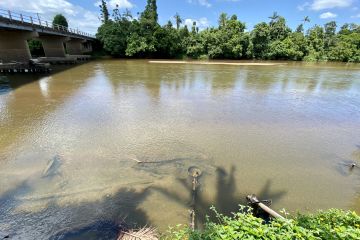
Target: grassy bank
[{"x": 330, "y": 224}]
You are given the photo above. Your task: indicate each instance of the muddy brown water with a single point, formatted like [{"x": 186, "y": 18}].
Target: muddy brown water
[{"x": 71, "y": 143}]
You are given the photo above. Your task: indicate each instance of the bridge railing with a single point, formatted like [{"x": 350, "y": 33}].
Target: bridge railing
[{"x": 38, "y": 21}]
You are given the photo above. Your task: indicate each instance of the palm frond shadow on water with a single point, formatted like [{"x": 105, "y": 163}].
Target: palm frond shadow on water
[
  {"x": 226, "y": 200},
  {"x": 102, "y": 219}
]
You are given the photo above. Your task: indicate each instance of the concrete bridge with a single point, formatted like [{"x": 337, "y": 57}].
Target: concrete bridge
[{"x": 16, "y": 29}]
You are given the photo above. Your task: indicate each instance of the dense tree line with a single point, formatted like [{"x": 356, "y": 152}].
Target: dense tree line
[{"x": 125, "y": 36}]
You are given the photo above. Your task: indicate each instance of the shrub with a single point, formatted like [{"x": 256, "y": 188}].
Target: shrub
[{"x": 331, "y": 224}]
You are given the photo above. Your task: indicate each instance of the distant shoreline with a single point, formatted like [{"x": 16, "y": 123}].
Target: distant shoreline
[{"x": 216, "y": 63}]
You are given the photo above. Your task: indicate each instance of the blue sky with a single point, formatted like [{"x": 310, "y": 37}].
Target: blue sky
[{"x": 84, "y": 13}]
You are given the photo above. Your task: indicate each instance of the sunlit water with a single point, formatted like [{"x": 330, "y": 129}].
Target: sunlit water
[{"x": 70, "y": 143}]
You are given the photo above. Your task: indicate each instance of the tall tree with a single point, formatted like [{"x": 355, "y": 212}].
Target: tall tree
[
  {"x": 330, "y": 34},
  {"x": 222, "y": 20},
  {"x": 278, "y": 28},
  {"x": 274, "y": 17},
  {"x": 60, "y": 20},
  {"x": 150, "y": 13},
  {"x": 104, "y": 11},
  {"x": 260, "y": 38},
  {"x": 300, "y": 28},
  {"x": 306, "y": 19},
  {"x": 178, "y": 20},
  {"x": 193, "y": 28}
]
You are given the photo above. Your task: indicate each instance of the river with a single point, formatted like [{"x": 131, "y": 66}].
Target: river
[{"x": 71, "y": 143}]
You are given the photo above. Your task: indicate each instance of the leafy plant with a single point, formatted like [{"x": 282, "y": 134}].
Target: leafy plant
[{"x": 332, "y": 224}]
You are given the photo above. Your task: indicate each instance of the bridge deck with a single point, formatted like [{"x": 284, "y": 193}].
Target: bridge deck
[{"x": 16, "y": 21}]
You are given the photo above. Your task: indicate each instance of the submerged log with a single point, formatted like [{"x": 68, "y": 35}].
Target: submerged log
[{"x": 255, "y": 201}]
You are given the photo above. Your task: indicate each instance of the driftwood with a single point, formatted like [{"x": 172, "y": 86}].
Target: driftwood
[
  {"x": 141, "y": 234},
  {"x": 156, "y": 162},
  {"x": 195, "y": 173},
  {"x": 254, "y": 201}
]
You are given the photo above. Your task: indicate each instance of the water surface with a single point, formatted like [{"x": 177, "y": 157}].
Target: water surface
[{"x": 70, "y": 143}]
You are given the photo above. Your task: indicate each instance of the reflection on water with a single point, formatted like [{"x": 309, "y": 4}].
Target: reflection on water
[{"x": 85, "y": 147}]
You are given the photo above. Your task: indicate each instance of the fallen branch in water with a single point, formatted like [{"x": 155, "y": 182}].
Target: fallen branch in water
[
  {"x": 156, "y": 162},
  {"x": 135, "y": 159},
  {"x": 142, "y": 234}
]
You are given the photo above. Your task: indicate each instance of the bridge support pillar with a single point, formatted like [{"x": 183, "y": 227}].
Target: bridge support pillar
[
  {"x": 87, "y": 47},
  {"x": 78, "y": 46},
  {"x": 54, "y": 45},
  {"x": 14, "y": 46}
]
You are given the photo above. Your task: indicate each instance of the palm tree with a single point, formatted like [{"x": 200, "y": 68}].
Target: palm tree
[
  {"x": 222, "y": 19},
  {"x": 178, "y": 20},
  {"x": 274, "y": 17},
  {"x": 306, "y": 19}
]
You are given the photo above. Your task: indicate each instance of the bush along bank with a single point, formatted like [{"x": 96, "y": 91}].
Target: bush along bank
[
  {"x": 123, "y": 35},
  {"x": 332, "y": 224}
]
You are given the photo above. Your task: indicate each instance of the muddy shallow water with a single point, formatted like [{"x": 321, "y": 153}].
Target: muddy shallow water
[{"x": 71, "y": 143}]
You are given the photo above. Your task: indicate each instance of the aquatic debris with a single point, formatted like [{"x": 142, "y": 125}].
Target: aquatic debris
[
  {"x": 146, "y": 233},
  {"x": 135, "y": 159},
  {"x": 52, "y": 167},
  {"x": 256, "y": 203},
  {"x": 194, "y": 172},
  {"x": 347, "y": 167}
]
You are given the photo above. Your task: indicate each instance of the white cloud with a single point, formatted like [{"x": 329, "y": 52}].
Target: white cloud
[
  {"x": 328, "y": 4},
  {"x": 77, "y": 16},
  {"x": 356, "y": 16},
  {"x": 201, "y": 23},
  {"x": 328, "y": 15},
  {"x": 205, "y": 3},
  {"x": 303, "y": 6}
]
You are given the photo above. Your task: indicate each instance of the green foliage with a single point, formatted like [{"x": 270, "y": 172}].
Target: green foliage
[
  {"x": 104, "y": 12},
  {"x": 260, "y": 39},
  {"x": 36, "y": 48},
  {"x": 178, "y": 20},
  {"x": 332, "y": 224},
  {"x": 59, "y": 19},
  {"x": 123, "y": 36}
]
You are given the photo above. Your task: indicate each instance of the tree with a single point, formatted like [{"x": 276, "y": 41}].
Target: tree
[
  {"x": 150, "y": 13},
  {"x": 291, "y": 48},
  {"x": 315, "y": 39},
  {"x": 193, "y": 28},
  {"x": 178, "y": 20},
  {"x": 222, "y": 20},
  {"x": 274, "y": 17},
  {"x": 142, "y": 41},
  {"x": 278, "y": 28},
  {"x": 330, "y": 35},
  {"x": 306, "y": 19},
  {"x": 300, "y": 28},
  {"x": 124, "y": 36},
  {"x": 260, "y": 39},
  {"x": 36, "y": 48},
  {"x": 60, "y": 20},
  {"x": 104, "y": 12}
]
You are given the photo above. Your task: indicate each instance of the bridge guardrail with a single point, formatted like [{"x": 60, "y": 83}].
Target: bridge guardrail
[{"x": 38, "y": 21}]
